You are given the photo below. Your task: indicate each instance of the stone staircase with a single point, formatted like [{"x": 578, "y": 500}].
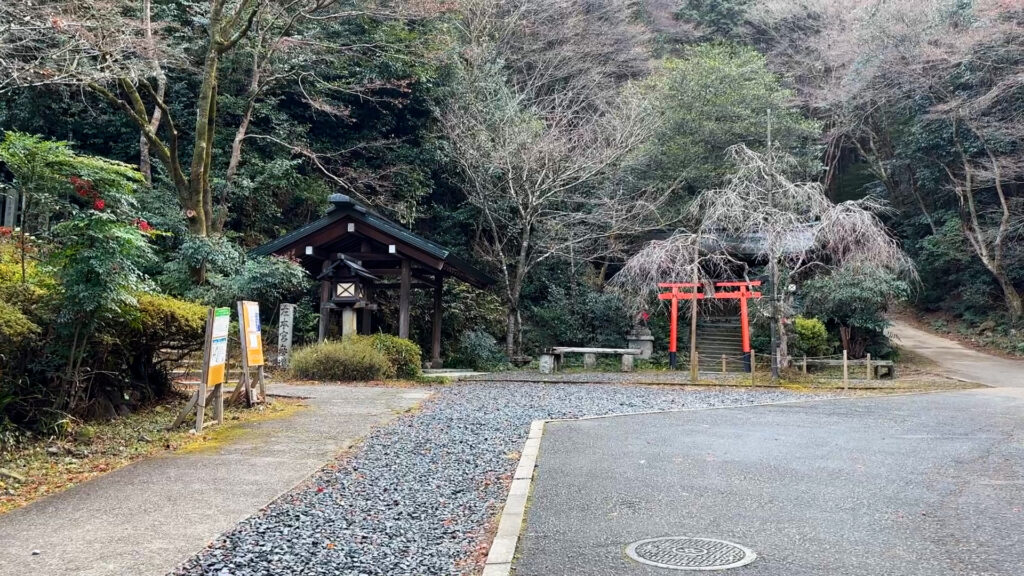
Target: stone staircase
[{"x": 716, "y": 337}]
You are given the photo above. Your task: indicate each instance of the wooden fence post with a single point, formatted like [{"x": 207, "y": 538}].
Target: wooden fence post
[
  {"x": 804, "y": 365},
  {"x": 846, "y": 370},
  {"x": 694, "y": 366},
  {"x": 867, "y": 362},
  {"x": 723, "y": 363},
  {"x": 753, "y": 365}
]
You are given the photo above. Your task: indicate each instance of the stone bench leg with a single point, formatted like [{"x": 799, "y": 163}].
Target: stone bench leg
[
  {"x": 627, "y": 362},
  {"x": 548, "y": 364},
  {"x": 589, "y": 361}
]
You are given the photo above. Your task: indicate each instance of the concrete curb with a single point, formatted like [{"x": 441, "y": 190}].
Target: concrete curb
[
  {"x": 513, "y": 516},
  {"x": 510, "y": 524}
]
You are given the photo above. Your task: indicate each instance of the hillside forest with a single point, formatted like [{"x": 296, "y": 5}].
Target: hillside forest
[{"x": 574, "y": 150}]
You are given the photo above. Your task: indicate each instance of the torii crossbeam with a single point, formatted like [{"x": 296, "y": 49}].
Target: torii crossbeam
[{"x": 722, "y": 291}]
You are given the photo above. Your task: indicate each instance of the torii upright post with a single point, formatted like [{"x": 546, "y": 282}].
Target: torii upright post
[{"x": 723, "y": 291}]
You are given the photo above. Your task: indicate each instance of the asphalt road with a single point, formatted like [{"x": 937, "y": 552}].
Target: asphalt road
[
  {"x": 954, "y": 359},
  {"x": 921, "y": 485}
]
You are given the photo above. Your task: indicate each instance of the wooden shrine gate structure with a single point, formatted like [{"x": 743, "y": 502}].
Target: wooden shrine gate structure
[{"x": 694, "y": 291}]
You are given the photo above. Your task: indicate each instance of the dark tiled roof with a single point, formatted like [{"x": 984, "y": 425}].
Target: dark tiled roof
[{"x": 343, "y": 206}]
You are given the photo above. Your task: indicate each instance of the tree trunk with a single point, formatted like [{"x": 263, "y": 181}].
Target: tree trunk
[
  {"x": 145, "y": 162},
  {"x": 243, "y": 126},
  {"x": 783, "y": 344},
  {"x": 1013, "y": 299},
  {"x": 510, "y": 332},
  {"x": 195, "y": 202}
]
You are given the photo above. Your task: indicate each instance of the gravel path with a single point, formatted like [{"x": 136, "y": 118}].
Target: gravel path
[{"x": 417, "y": 498}]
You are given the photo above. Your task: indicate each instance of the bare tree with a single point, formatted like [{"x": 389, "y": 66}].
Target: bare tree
[
  {"x": 538, "y": 134},
  {"x": 791, "y": 227}
]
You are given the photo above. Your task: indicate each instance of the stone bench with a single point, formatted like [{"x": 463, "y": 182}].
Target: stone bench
[{"x": 551, "y": 360}]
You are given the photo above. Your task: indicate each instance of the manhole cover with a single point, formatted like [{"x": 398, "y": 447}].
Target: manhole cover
[{"x": 684, "y": 553}]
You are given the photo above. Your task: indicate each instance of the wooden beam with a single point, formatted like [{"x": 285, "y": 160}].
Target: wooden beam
[
  {"x": 413, "y": 284},
  {"x": 403, "y": 300},
  {"x": 371, "y": 255},
  {"x": 435, "y": 337}
]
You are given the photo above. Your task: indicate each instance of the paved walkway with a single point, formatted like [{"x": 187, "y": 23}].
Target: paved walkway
[
  {"x": 147, "y": 518},
  {"x": 955, "y": 359},
  {"x": 922, "y": 485}
]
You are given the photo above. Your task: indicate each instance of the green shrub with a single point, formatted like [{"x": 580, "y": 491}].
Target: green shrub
[
  {"x": 478, "y": 350},
  {"x": 579, "y": 316},
  {"x": 347, "y": 360},
  {"x": 403, "y": 355},
  {"x": 811, "y": 337},
  {"x": 14, "y": 328},
  {"x": 159, "y": 324},
  {"x": 164, "y": 320}
]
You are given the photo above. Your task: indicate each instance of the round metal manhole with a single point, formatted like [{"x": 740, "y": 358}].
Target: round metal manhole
[{"x": 685, "y": 553}]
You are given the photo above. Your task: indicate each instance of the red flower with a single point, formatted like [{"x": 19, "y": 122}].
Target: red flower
[
  {"x": 5, "y": 231},
  {"x": 99, "y": 204},
  {"x": 143, "y": 225},
  {"x": 83, "y": 187}
]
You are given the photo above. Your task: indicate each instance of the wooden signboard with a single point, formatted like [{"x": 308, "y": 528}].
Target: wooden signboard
[
  {"x": 214, "y": 372},
  {"x": 252, "y": 351}
]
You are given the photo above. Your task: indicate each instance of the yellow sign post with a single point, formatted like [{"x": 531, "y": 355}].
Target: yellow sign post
[{"x": 252, "y": 351}]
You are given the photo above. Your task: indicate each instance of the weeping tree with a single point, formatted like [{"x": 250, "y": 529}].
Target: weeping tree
[{"x": 791, "y": 228}]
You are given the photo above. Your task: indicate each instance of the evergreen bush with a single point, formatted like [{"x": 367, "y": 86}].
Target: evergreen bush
[
  {"x": 403, "y": 355},
  {"x": 478, "y": 350},
  {"x": 811, "y": 337},
  {"x": 348, "y": 360}
]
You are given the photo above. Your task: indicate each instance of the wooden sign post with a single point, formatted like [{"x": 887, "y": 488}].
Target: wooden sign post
[
  {"x": 252, "y": 352},
  {"x": 215, "y": 357}
]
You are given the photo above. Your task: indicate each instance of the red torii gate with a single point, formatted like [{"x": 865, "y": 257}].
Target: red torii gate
[{"x": 722, "y": 291}]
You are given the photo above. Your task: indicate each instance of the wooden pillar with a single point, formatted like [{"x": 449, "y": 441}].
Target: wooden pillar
[
  {"x": 753, "y": 365},
  {"x": 846, "y": 370},
  {"x": 367, "y": 315},
  {"x": 325, "y": 311},
  {"x": 367, "y": 320},
  {"x": 672, "y": 328},
  {"x": 403, "y": 300},
  {"x": 435, "y": 336}
]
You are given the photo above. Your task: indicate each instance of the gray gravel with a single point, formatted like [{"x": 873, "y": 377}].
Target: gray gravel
[{"x": 417, "y": 498}]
